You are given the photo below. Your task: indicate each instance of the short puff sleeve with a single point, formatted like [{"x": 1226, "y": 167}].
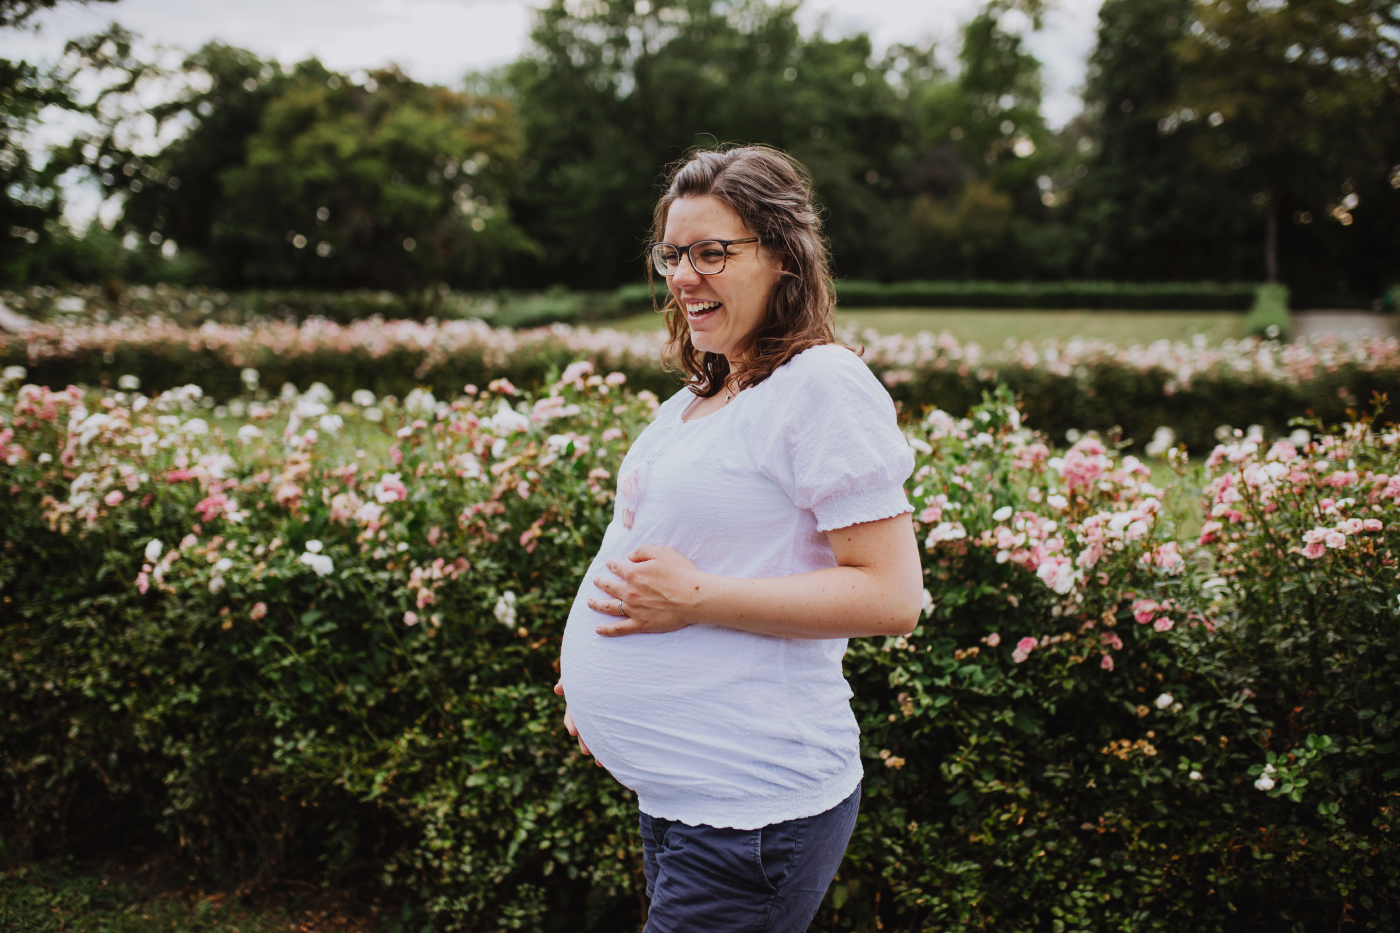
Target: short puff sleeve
[{"x": 834, "y": 445}]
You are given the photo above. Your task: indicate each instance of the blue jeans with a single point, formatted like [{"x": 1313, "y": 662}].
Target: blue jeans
[{"x": 770, "y": 880}]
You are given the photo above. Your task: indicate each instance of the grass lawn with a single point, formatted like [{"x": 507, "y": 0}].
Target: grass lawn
[
  {"x": 141, "y": 892},
  {"x": 993, "y": 328}
]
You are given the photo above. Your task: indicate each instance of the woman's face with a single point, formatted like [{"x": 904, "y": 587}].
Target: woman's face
[{"x": 721, "y": 309}]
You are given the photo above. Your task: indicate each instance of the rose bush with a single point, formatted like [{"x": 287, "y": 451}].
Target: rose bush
[
  {"x": 309, "y": 634},
  {"x": 1103, "y": 726},
  {"x": 1189, "y": 388}
]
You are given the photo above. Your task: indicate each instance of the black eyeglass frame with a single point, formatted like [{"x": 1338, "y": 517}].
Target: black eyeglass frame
[{"x": 684, "y": 252}]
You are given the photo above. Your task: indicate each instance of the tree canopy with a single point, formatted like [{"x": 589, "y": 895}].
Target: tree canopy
[{"x": 1219, "y": 140}]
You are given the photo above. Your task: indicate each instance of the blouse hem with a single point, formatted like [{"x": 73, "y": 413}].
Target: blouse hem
[{"x": 752, "y": 813}]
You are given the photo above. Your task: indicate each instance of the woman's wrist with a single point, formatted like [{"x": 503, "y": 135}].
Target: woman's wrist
[{"x": 703, "y": 598}]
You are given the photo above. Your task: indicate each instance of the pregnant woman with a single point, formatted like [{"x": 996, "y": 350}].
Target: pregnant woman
[{"x": 760, "y": 522}]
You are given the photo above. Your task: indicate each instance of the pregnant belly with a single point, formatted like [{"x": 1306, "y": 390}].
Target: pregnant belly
[{"x": 706, "y": 707}]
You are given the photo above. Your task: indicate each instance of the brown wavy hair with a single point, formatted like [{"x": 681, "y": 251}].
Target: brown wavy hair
[{"x": 772, "y": 193}]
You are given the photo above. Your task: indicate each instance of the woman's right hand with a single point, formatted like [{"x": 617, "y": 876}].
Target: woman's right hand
[{"x": 573, "y": 729}]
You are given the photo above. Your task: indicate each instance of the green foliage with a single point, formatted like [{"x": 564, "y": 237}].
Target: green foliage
[
  {"x": 17, "y": 12},
  {"x": 1269, "y": 315},
  {"x": 309, "y": 178},
  {"x": 191, "y": 307},
  {"x": 1146, "y": 206},
  {"x": 1296, "y": 100},
  {"x": 346, "y": 661},
  {"x": 31, "y": 202},
  {"x": 613, "y": 94},
  {"x": 1163, "y": 296},
  {"x": 392, "y": 185},
  {"x": 134, "y": 894}
]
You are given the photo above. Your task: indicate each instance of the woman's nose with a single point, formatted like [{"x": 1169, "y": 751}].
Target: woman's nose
[{"x": 685, "y": 273}]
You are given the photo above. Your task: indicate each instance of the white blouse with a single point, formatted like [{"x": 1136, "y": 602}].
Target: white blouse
[{"x": 710, "y": 725}]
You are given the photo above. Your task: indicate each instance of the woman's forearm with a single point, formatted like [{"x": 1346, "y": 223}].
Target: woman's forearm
[
  {"x": 876, "y": 588},
  {"x": 837, "y": 602}
]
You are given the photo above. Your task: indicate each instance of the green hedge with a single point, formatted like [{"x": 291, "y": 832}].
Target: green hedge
[
  {"x": 194, "y": 306},
  {"x": 1105, "y": 296},
  {"x": 337, "y": 658}
]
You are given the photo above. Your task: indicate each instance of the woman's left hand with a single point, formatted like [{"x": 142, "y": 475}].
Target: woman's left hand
[{"x": 653, "y": 591}]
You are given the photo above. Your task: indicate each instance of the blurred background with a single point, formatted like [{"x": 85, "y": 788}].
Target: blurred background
[{"x": 424, "y": 147}]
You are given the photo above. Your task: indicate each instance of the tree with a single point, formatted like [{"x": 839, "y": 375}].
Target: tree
[
  {"x": 309, "y": 179},
  {"x": 14, "y": 13},
  {"x": 388, "y": 184},
  {"x": 1302, "y": 101},
  {"x": 31, "y": 202},
  {"x": 985, "y": 145},
  {"x": 611, "y": 93},
  {"x": 1148, "y": 206},
  {"x": 178, "y": 195}
]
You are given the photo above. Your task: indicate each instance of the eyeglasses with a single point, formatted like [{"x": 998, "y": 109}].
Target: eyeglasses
[{"x": 707, "y": 257}]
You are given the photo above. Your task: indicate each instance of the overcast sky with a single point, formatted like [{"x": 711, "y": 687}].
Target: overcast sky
[{"x": 441, "y": 40}]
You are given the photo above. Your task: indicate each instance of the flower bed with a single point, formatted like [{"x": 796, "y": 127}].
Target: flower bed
[
  {"x": 1192, "y": 389},
  {"x": 323, "y": 633}
]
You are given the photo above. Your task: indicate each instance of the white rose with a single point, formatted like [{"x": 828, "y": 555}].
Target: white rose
[{"x": 319, "y": 563}]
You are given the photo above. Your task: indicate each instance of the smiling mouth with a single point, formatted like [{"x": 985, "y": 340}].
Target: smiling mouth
[{"x": 699, "y": 310}]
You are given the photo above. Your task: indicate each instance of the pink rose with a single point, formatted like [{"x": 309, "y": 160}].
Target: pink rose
[
  {"x": 1163, "y": 624},
  {"x": 575, "y": 372},
  {"x": 114, "y": 498},
  {"x": 1314, "y": 550},
  {"x": 1335, "y": 539},
  {"x": 1143, "y": 609},
  {"x": 1112, "y": 640},
  {"x": 1208, "y": 532},
  {"x": 1372, "y": 524},
  {"x": 410, "y": 618},
  {"x": 1107, "y": 662},
  {"x": 390, "y": 488},
  {"x": 1342, "y": 478},
  {"x": 993, "y": 640},
  {"x": 1057, "y": 573},
  {"x": 259, "y": 610},
  {"x": 212, "y": 507},
  {"x": 1165, "y": 557}
]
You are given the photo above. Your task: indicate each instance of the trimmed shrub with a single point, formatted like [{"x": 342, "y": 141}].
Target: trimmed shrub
[
  {"x": 1103, "y": 296},
  {"x": 194, "y": 306},
  {"x": 1269, "y": 316},
  {"x": 325, "y": 637}
]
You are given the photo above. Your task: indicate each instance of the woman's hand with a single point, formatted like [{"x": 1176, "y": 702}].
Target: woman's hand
[
  {"x": 654, "y": 591},
  {"x": 573, "y": 729}
]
